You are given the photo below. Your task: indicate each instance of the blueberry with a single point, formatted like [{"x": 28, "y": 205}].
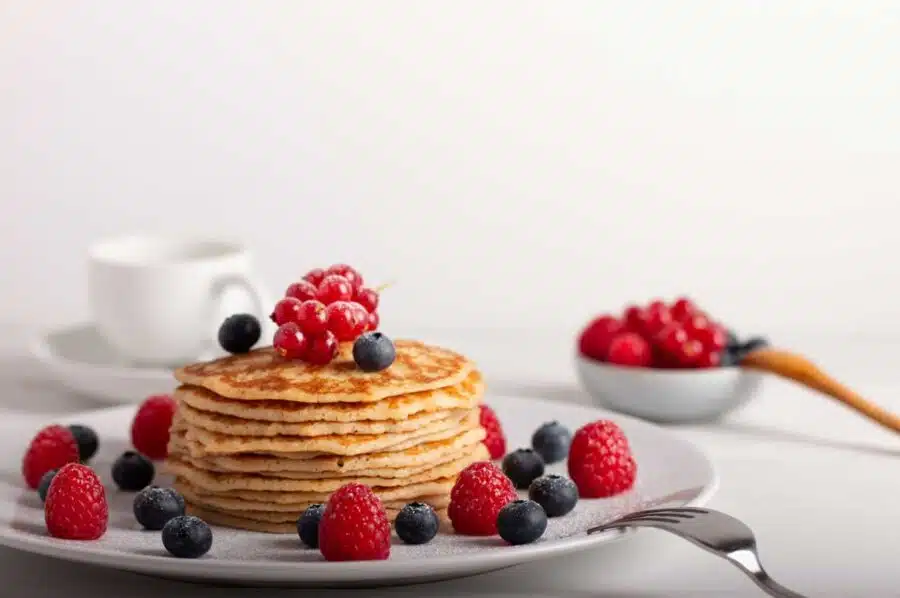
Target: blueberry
[
  {"x": 417, "y": 523},
  {"x": 187, "y": 537},
  {"x": 754, "y": 343},
  {"x": 373, "y": 352},
  {"x": 154, "y": 506},
  {"x": 551, "y": 441},
  {"x": 44, "y": 484},
  {"x": 556, "y": 494},
  {"x": 87, "y": 441},
  {"x": 733, "y": 354},
  {"x": 521, "y": 522},
  {"x": 522, "y": 466},
  {"x": 733, "y": 340},
  {"x": 308, "y": 525},
  {"x": 238, "y": 333},
  {"x": 133, "y": 471},
  {"x": 729, "y": 357}
]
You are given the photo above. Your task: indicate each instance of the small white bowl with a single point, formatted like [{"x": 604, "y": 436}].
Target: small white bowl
[{"x": 668, "y": 396}]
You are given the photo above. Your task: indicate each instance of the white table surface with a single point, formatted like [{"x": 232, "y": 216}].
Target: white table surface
[{"x": 819, "y": 485}]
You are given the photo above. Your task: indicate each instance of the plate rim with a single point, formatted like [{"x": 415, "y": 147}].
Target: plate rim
[{"x": 337, "y": 574}]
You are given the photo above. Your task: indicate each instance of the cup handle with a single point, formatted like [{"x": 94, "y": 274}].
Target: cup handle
[{"x": 252, "y": 288}]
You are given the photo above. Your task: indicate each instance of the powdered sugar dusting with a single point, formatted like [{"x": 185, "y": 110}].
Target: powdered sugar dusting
[{"x": 669, "y": 471}]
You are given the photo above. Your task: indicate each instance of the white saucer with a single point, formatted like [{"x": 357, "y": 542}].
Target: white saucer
[
  {"x": 671, "y": 471},
  {"x": 81, "y": 360}
]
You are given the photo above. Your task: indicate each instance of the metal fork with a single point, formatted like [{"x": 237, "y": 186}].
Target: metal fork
[{"x": 715, "y": 532}]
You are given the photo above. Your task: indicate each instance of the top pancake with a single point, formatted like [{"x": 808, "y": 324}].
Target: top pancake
[
  {"x": 464, "y": 395},
  {"x": 264, "y": 375}
]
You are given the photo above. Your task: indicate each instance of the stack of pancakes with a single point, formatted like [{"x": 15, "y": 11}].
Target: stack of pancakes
[{"x": 257, "y": 439}]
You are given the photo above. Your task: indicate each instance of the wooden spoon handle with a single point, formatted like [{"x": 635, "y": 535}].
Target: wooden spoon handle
[{"x": 801, "y": 370}]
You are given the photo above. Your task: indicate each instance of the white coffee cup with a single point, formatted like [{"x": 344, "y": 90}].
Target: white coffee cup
[{"x": 159, "y": 300}]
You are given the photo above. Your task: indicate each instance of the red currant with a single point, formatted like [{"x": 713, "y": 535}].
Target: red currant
[
  {"x": 314, "y": 276},
  {"x": 634, "y": 318},
  {"x": 595, "y": 338},
  {"x": 373, "y": 321},
  {"x": 368, "y": 298},
  {"x": 286, "y": 310},
  {"x": 361, "y": 319},
  {"x": 348, "y": 272},
  {"x": 629, "y": 349},
  {"x": 290, "y": 342},
  {"x": 344, "y": 320},
  {"x": 302, "y": 290},
  {"x": 312, "y": 318},
  {"x": 671, "y": 338},
  {"x": 322, "y": 349},
  {"x": 334, "y": 288},
  {"x": 708, "y": 359},
  {"x": 713, "y": 337},
  {"x": 682, "y": 309},
  {"x": 657, "y": 317},
  {"x": 689, "y": 353}
]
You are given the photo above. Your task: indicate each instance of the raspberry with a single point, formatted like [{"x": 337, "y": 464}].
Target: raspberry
[
  {"x": 595, "y": 338},
  {"x": 630, "y": 349},
  {"x": 354, "y": 526},
  {"x": 479, "y": 493},
  {"x": 600, "y": 460},
  {"x": 76, "y": 507},
  {"x": 658, "y": 317},
  {"x": 635, "y": 319},
  {"x": 50, "y": 449},
  {"x": 150, "y": 427},
  {"x": 682, "y": 309},
  {"x": 495, "y": 441}
]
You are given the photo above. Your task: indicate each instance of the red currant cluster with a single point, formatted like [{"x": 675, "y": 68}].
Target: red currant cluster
[
  {"x": 323, "y": 309},
  {"x": 656, "y": 335}
]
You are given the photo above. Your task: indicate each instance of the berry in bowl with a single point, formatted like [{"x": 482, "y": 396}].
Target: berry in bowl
[{"x": 666, "y": 362}]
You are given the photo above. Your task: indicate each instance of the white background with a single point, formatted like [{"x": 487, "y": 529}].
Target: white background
[{"x": 511, "y": 163}]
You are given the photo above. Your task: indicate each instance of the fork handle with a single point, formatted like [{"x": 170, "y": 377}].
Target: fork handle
[
  {"x": 775, "y": 589},
  {"x": 770, "y": 586},
  {"x": 801, "y": 370},
  {"x": 747, "y": 560}
]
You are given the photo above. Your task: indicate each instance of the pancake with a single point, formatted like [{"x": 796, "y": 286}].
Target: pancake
[
  {"x": 214, "y": 443},
  {"x": 225, "y": 481},
  {"x": 214, "y": 481},
  {"x": 234, "y": 426},
  {"x": 464, "y": 395},
  {"x": 270, "y": 497},
  {"x": 224, "y": 519},
  {"x": 399, "y": 463},
  {"x": 230, "y": 504},
  {"x": 264, "y": 375}
]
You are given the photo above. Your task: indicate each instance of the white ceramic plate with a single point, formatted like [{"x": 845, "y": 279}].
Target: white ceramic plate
[{"x": 670, "y": 472}]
